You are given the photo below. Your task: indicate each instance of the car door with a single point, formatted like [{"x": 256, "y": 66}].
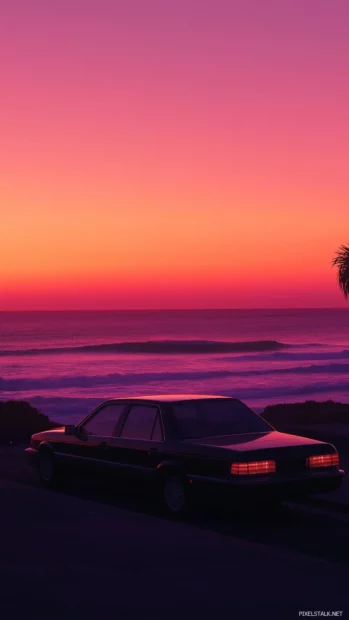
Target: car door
[
  {"x": 139, "y": 445},
  {"x": 91, "y": 443}
]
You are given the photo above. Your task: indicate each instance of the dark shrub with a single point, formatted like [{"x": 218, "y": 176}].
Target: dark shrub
[
  {"x": 19, "y": 420},
  {"x": 306, "y": 414}
]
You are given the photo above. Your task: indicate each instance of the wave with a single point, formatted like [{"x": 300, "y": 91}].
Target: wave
[
  {"x": 158, "y": 347},
  {"x": 86, "y": 381},
  {"x": 64, "y": 409},
  {"x": 284, "y": 356},
  {"x": 120, "y": 379}
]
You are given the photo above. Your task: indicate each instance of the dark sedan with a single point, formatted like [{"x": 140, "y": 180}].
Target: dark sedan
[{"x": 188, "y": 444}]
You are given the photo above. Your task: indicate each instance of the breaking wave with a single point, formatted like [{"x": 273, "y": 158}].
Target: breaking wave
[
  {"x": 159, "y": 347},
  {"x": 126, "y": 379}
]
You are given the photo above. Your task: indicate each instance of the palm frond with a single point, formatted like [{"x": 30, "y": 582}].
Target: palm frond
[{"x": 341, "y": 261}]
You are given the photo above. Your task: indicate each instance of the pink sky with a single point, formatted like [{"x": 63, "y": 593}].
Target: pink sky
[{"x": 173, "y": 153}]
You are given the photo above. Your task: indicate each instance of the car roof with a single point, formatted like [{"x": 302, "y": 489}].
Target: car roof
[{"x": 172, "y": 398}]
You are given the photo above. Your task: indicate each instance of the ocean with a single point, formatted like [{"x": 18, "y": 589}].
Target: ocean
[{"x": 65, "y": 363}]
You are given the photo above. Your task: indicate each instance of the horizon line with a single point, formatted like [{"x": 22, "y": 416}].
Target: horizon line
[{"x": 176, "y": 309}]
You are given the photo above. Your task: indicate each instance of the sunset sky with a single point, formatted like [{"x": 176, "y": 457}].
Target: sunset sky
[{"x": 173, "y": 153}]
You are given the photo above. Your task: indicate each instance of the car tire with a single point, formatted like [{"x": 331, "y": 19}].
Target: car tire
[
  {"x": 175, "y": 494},
  {"x": 47, "y": 468}
]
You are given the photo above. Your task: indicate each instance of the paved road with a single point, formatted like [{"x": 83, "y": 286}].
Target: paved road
[{"x": 86, "y": 554}]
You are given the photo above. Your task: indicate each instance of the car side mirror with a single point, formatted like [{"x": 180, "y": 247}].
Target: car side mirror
[{"x": 70, "y": 429}]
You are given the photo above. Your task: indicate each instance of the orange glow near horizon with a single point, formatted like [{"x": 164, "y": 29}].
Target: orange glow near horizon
[{"x": 137, "y": 172}]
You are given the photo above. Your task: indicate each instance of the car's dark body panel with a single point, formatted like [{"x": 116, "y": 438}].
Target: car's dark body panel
[{"x": 205, "y": 462}]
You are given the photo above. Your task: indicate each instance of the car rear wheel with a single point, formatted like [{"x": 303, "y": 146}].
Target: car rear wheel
[{"x": 175, "y": 495}]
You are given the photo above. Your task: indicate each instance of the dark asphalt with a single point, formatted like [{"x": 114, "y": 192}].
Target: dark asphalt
[{"x": 89, "y": 553}]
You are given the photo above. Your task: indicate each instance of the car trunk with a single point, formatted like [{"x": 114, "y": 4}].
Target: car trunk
[{"x": 289, "y": 451}]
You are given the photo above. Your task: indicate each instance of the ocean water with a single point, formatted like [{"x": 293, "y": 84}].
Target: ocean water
[{"x": 65, "y": 363}]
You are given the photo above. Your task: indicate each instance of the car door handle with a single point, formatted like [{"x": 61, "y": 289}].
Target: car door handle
[
  {"x": 153, "y": 451},
  {"x": 103, "y": 444}
]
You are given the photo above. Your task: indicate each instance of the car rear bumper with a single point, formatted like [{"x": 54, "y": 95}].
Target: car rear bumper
[{"x": 271, "y": 489}]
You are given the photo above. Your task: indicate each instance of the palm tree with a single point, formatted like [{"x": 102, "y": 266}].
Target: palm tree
[{"x": 341, "y": 261}]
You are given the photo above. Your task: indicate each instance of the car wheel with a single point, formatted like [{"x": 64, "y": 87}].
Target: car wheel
[
  {"x": 175, "y": 495},
  {"x": 47, "y": 468}
]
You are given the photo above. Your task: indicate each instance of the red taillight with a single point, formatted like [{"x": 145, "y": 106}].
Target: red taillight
[
  {"x": 253, "y": 467},
  {"x": 323, "y": 460}
]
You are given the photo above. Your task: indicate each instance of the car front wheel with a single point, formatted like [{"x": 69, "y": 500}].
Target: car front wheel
[{"x": 47, "y": 468}]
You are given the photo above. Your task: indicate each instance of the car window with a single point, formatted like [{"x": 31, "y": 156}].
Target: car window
[
  {"x": 157, "y": 430},
  {"x": 139, "y": 423},
  {"x": 207, "y": 418},
  {"x": 104, "y": 422}
]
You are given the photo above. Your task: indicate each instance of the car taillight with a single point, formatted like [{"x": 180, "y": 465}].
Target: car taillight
[
  {"x": 323, "y": 460},
  {"x": 253, "y": 467}
]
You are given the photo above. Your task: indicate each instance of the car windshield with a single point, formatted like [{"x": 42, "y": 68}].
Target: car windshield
[{"x": 210, "y": 418}]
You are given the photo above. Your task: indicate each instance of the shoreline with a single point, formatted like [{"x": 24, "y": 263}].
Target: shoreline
[{"x": 19, "y": 419}]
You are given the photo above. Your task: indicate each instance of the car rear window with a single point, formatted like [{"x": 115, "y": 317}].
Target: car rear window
[{"x": 210, "y": 418}]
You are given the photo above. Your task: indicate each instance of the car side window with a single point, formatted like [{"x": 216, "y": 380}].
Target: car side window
[
  {"x": 157, "y": 430},
  {"x": 139, "y": 423},
  {"x": 104, "y": 422}
]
